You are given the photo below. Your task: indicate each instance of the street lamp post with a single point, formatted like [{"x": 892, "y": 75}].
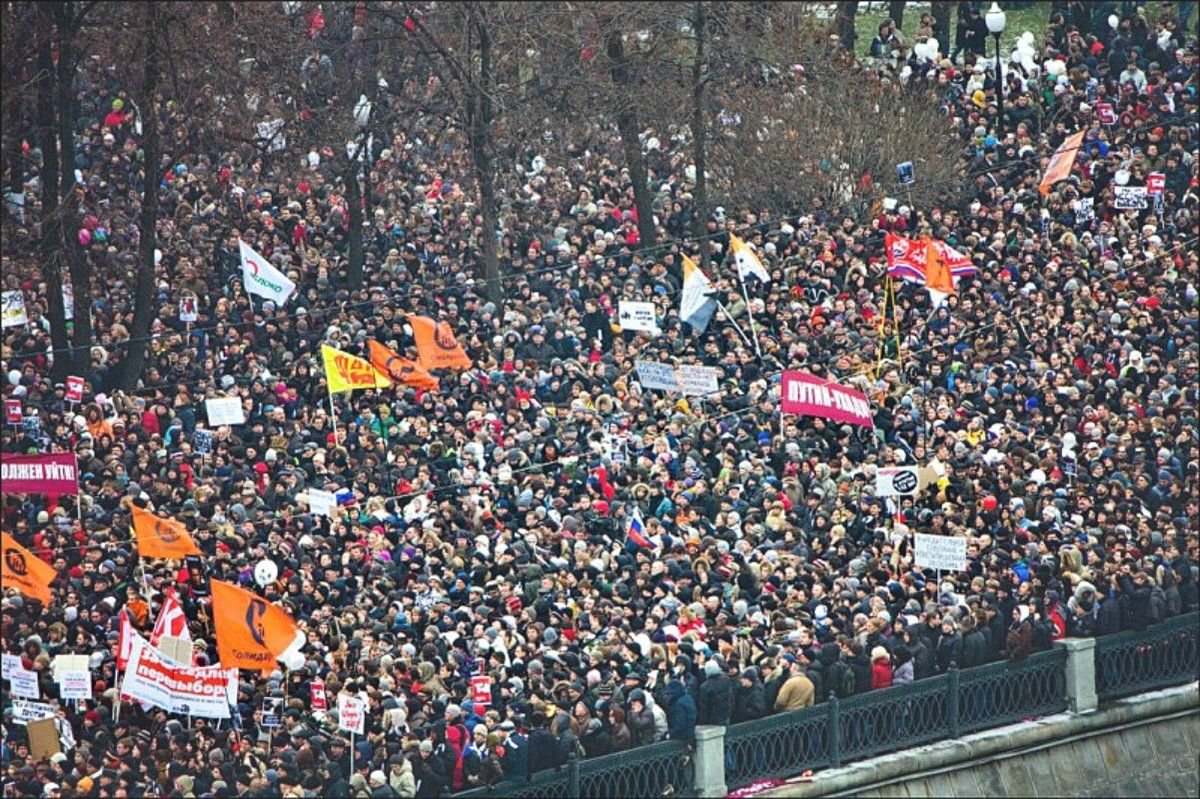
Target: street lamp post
[{"x": 996, "y": 20}]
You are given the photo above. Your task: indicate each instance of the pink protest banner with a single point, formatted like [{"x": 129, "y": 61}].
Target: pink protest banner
[
  {"x": 55, "y": 474},
  {"x": 807, "y": 395}
]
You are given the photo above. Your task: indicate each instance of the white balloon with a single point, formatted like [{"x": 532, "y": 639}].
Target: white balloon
[
  {"x": 1121, "y": 177},
  {"x": 1113, "y": 21},
  {"x": 157, "y": 257},
  {"x": 265, "y": 573},
  {"x": 292, "y": 660}
]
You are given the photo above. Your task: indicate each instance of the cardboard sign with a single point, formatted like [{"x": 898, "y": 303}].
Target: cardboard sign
[
  {"x": 203, "y": 441},
  {"x": 698, "y": 381},
  {"x": 322, "y": 503},
  {"x": 13, "y": 309},
  {"x": 1130, "y": 198},
  {"x": 224, "y": 410},
  {"x": 12, "y": 411},
  {"x": 25, "y": 711},
  {"x": 179, "y": 650},
  {"x": 1106, "y": 114},
  {"x": 188, "y": 308},
  {"x": 632, "y": 315},
  {"x": 1156, "y": 183},
  {"x": 481, "y": 690},
  {"x": 316, "y": 691},
  {"x": 75, "y": 685},
  {"x": 43, "y": 738},
  {"x": 352, "y": 714},
  {"x": 945, "y": 552},
  {"x": 272, "y": 712},
  {"x": 658, "y": 376},
  {"x": 1085, "y": 210},
  {"x": 74, "y": 389},
  {"x": 65, "y": 664},
  {"x": 897, "y": 481}
]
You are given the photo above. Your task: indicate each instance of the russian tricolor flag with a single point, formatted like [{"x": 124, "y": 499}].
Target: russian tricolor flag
[{"x": 636, "y": 535}]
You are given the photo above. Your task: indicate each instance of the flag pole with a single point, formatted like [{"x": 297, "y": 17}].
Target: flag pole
[
  {"x": 749, "y": 313},
  {"x": 332, "y": 412},
  {"x": 733, "y": 321}
]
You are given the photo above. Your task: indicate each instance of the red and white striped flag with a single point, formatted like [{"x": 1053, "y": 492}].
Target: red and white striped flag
[
  {"x": 171, "y": 620},
  {"x": 125, "y": 642}
]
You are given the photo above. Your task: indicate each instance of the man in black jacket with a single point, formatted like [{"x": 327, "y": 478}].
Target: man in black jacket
[
  {"x": 715, "y": 696},
  {"x": 751, "y": 699}
]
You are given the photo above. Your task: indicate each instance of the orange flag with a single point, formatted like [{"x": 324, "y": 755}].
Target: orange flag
[
  {"x": 1061, "y": 162},
  {"x": 436, "y": 346},
  {"x": 399, "y": 368},
  {"x": 937, "y": 274},
  {"x": 251, "y": 632},
  {"x": 161, "y": 538},
  {"x": 25, "y": 571}
]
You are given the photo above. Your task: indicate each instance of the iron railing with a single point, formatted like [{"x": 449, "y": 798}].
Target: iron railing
[
  {"x": 1140, "y": 660},
  {"x": 837, "y": 731},
  {"x": 660, "y": 769}
]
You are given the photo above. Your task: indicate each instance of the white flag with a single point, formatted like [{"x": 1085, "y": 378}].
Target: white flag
[
  {"x": 747, "y": 261},
  {"x": 263, "y": 279},
  {"x": 696, "y": 307}
]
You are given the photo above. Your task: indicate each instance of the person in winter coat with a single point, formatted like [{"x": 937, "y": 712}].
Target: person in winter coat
[
  {"x": 902, "y": 670},
  {"x": 1020, "y": 635},
  {"x": 949, "y": 647},
  {"x": 622, "y": 739},
  {"x": 797, "y": 691},
  {"x": 432, "y": 779},
  {"x": 974, "y": 645},
  {"x": 860, "y": 664},
  {"x": 881, "y": 668},
  {"x": 681, "y": 713},
  {"x": 641, "y": 719},
  {"x": 751, "y": 700},
  {"x": 1108, "y": 617},
  {"x": 401, "y": 778},
  {"x": 1135, "y": 600},
  {"x": 1056, "y": 616},
  {"x": 715, "y": 696},
  {"x": 544, "y": 752}
]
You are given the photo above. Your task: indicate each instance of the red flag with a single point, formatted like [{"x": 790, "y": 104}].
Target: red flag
[{"x": 171, "y": 620}]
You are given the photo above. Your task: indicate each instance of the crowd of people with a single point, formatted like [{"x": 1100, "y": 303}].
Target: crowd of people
[{"x": 1054, "y": 396}]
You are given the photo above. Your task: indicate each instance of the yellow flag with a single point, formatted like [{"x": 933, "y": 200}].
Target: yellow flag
[{"x": 345, "y": 372}]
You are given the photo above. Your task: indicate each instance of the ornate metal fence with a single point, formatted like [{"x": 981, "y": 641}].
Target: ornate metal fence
[
  {"x": 1140, "y": 660},
  {"x": 777, "y": 746},
  {"x": 661, "y": 769},
  {"x": 895, "y": 718},
  {"x": 1001, "y": 693}
]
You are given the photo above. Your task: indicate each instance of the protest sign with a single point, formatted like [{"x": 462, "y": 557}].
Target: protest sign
[
  {"x": 25, "y": 711},
  {"x": 272, "y": 711},
  {"x": 658, "y": 376},
  {"x": 75, "y": 685},
  {"x": 24, "y": 683},
  {"x": 56, "y": 474},
  {"x": 698, "y": 381},
  {"x": 1130, "y": 198},
  {"x": 1156, "y": 183},
  {"x": 322, "y": 503},
  {"x": 196, "y": 691},
  {"x": 632, "y": 315},
  {"x": 74, "y": 389},
  {"x": 9, "y": 662},
  {"x": 316, "y": 692},
  {"x": 13, "y": 309},
  {"x": 224, "y": 410},
  {"x": 481, "y": 690},
  {"x": 203, "y": 441},
  {"x": 808, "y": 395},
  {"x": 177, "y": 649},
  {"x": 65, "y": 664},
  {"x": 943, "y": 552},
  {"x": 352, "y": 713},
  {"x": 12, "y": 411},
  {"x": 897, "y": 481},
  {"x": 1106, "y": 114},
  {"x": 188, "y": 308},
  {"x": 1085, "y": 210},
  {"x": 43, "y": 738}
]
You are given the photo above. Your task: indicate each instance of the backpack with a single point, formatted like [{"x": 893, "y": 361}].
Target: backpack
[{"x": 842, "y": 681}]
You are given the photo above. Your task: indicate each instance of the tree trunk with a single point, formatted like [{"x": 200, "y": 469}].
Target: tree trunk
[
  {"x": 896, "y": 12},
  {"x": 77, "y": 261},
  {"x": 481, "y": 154},
  {"x": 843, "y": 24},
  {"x": 354, "y": 204},
  {"x": 700, "y": 134},
  {"x": 627, "y": 127},
  {"x": 144, "y": 309},
  {"x": 942, "y": 10},
  {"x": 50, "y": 225}
]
